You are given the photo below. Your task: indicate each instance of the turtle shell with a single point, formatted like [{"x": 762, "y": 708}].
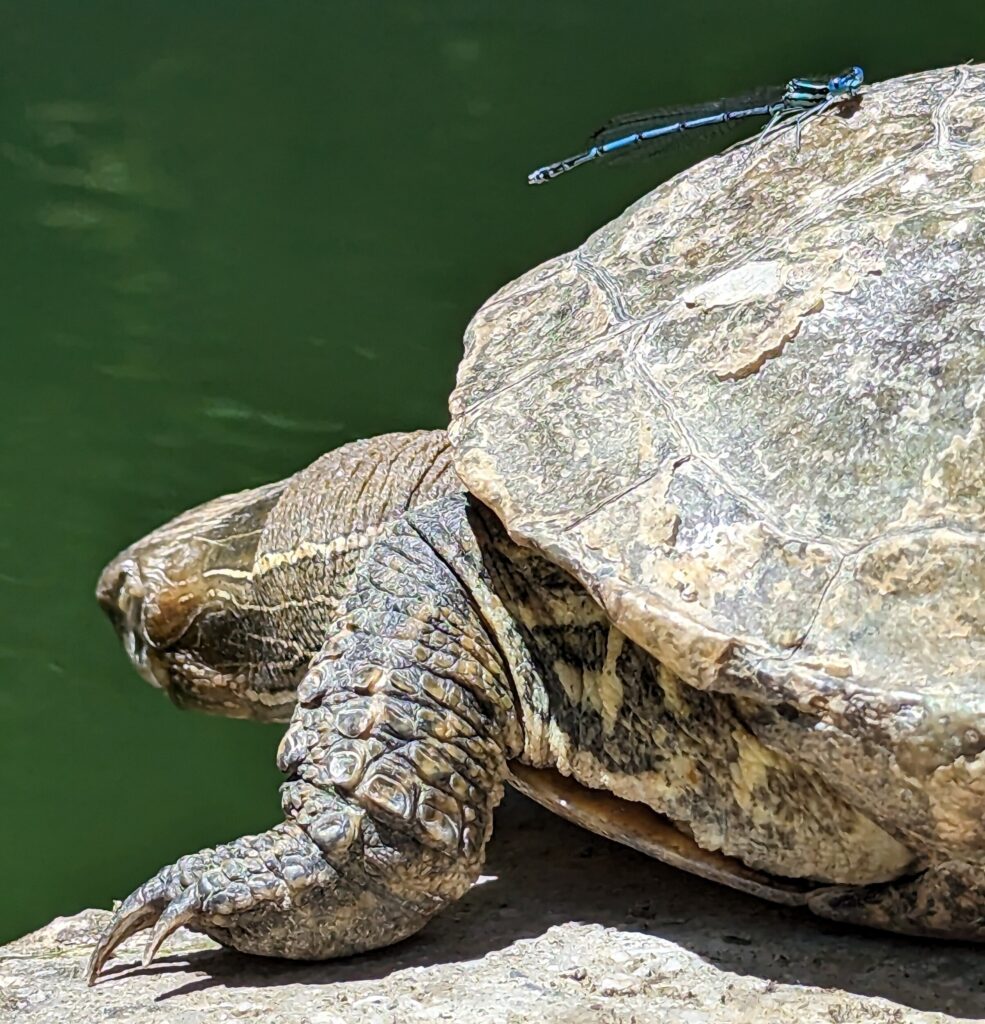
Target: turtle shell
[{"x": 748, "y": 415}]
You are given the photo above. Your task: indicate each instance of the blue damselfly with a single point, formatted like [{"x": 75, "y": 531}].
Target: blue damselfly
[{"x": 802, "y": 98}]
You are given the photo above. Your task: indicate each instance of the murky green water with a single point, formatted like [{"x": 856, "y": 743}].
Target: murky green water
[{"x": 234, "y": 235}]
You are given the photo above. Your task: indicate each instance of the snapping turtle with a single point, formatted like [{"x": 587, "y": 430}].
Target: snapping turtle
[{"x": 700, "y": 564}]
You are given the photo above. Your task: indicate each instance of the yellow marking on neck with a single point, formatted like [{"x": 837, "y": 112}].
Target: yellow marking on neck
[
  {"x": 310, "y": 549},
  {"x": 235, "y": 574}
]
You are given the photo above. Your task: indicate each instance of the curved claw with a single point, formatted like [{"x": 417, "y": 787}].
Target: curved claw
[
  {"x": 178, "y": 912},
  {"x": 138, "y": 911},
  {"x": 121, "y": 928}
]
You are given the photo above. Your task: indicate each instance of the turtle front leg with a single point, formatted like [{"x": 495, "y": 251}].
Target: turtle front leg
[{"x": 396, "y": 757}]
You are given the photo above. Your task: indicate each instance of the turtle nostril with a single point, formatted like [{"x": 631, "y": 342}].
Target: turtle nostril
[{"x": 120, "y": 592}]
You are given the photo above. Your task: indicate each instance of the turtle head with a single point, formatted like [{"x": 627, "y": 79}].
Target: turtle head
[
  {"x": 186, "y": 603},
  {"x": 224, "y": 606}
]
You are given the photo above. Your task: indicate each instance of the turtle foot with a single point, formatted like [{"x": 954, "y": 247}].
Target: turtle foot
[{"x": 244, "y": 894}]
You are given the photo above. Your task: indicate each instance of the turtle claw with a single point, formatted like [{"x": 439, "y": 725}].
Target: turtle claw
[
  {"x": 172, "y": 898},
  {"x": 214, "y": 891},
  {"x": 140, "y": 910},
  {"x": 178, "y": 912},
  {"x": 120, "y": 929}
]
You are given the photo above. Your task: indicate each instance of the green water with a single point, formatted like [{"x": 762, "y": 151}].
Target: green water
[{"x": 234, "y": 235}]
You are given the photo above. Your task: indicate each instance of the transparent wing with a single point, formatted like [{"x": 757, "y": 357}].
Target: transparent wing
[
  {"x": 645, "y": 120},
  {"x": 642, "y": 120}
]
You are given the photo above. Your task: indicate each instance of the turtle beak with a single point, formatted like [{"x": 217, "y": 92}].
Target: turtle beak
[{"x": 120, "y": 592}]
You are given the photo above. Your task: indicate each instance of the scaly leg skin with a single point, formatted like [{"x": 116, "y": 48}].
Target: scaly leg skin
[{"x": 396, "y": 757}]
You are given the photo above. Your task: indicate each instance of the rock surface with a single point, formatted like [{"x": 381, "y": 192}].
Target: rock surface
[{"x": 564, "y": 927}]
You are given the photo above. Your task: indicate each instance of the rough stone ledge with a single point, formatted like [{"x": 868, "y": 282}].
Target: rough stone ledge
[{"x": 565, "y": 928}]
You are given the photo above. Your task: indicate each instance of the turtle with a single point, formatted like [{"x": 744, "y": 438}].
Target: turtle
[{"x": 699, "y": 564}]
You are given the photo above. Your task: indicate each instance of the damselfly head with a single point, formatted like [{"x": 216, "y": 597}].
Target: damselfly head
[{"x": 847, "y": 83}]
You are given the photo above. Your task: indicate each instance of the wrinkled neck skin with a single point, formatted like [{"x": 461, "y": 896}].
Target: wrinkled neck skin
[{"x": 224, "y": 606}]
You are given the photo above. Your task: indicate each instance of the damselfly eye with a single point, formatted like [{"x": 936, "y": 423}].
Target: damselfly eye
[{"x": 848, "y": 81}]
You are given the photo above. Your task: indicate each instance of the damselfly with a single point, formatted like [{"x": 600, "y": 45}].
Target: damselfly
[{"x": 802, "y": 98}]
